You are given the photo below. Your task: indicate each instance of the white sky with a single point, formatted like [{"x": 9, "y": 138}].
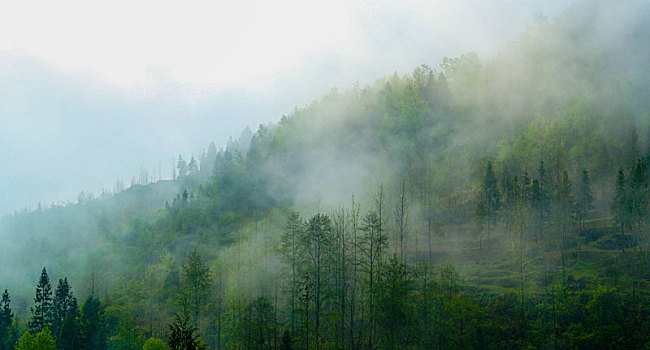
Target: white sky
[{"x": 118, "y": 86}]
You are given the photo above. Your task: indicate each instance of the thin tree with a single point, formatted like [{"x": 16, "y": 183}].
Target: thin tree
[
  {"x": 290, "y": 251},
  {"x": 492, "y": 198},
  {"x": 197, "y": 280},
  {"x": 401, "y": 217},
  {"x": 585, "y": 200},
  {"x": 620, "y": 204}
]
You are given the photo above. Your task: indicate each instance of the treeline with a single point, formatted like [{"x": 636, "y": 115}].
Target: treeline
[
  {"x": 343, "y": 285},
  {"x": 56, "y": 322}
]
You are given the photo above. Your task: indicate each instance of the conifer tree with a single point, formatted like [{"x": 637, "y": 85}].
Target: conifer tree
[
  {"x": 182, "y": 334},
  {"x": 70, "y": 338},
  {"x": 42, "y": 310},
  {"x": 6, "y": 317},
  {"x": 60, "y": 306},
  {"x": 93, "y": 324}
]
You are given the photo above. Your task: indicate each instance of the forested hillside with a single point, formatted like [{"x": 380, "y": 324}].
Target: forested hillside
[{"x": 486, "y": 203}]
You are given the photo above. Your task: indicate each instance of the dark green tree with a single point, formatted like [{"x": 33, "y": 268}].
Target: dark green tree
[
  {"x": 6, "y": 318},
  {"x": 60, "y": 306},
  {"x": 394, "y": 309},
  {"x": 182, "y": 334},
  {"x": 42, "y": 310},
  {"x": 93, "y": 324},
  {"x": 70, "y": 338},
  {"x": 263, "y": 323}
]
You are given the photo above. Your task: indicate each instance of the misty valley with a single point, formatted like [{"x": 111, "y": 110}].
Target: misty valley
[{"x": 498, "y": 202}]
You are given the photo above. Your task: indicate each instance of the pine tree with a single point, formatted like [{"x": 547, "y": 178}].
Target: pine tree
[
  {"x": 62, "y": 299},
  {"x": 42, "y": 310},
  {"x": 182, "y": 334},
  {"x": 93, "y": 324},
  {"x": 70, "y": 338},
  {"x": 6, "y": 317}
]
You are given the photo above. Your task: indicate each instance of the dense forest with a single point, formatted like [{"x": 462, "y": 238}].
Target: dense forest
[{"x": 483, "y": 204}]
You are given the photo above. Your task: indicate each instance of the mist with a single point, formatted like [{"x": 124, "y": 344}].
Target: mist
[
  {"x": 105, "y": 127},
  {"x": 336, "y": 176}
]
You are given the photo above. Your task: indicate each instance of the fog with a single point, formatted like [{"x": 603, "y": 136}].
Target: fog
[
  {"x": 85, "y": 102},
  {"x": 506, "y": 141}
]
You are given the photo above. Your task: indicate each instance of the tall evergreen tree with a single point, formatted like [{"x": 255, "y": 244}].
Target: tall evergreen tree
[
  {"x": 93, "y": 329},
  {"x": 60, "y": 306},
  {"x": 6, "y": 317},
  {"x": 182, "y": 334},
  {"x": 42, "y": 310},
  {"x": 70, "y": 338}
]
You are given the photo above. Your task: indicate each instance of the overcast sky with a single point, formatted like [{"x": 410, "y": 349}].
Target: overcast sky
[{"x": 91, "y": 91}]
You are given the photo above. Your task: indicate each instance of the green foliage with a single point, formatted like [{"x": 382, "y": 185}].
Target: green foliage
[
  {"x": 6, "y": 319},
  {"x": 196, "y": 281},
  {"x": 42, "y": 341},
  {"x": 154, "y": 344},
  {"x": 93, "y": 329},
  {"x": 182, "y": 334}
]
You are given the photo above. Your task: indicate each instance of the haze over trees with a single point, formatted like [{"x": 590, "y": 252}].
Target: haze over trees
[{"x": 485, "y": 204}]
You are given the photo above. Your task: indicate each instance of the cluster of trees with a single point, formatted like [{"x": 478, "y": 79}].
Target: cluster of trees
[
  {"x": 631, "y": 199},
  {"x": 529, "y": 207},
  {"x": 56, "y": 320},
  {"x": 217, "y": 258}
]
